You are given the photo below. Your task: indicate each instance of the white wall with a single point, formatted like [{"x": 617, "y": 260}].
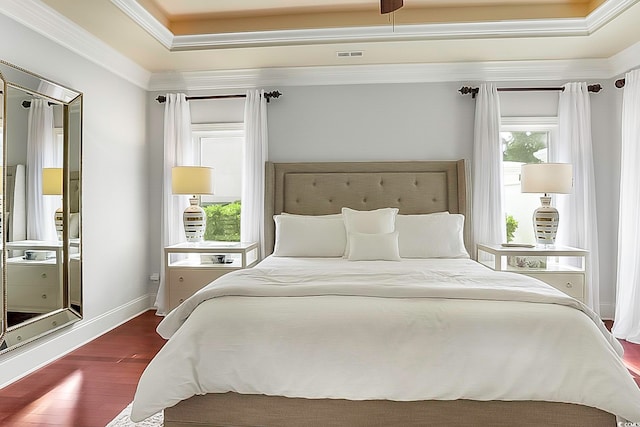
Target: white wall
[
  {"x": 115, "y": 193},
  {"x": 371, "y": 122}
]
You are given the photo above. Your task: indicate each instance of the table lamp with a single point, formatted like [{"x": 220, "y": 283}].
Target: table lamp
[
  {"x": 546, "y": 178},
  {"x": 52, "y": 186},
  {"x": 193, "y": 181}
]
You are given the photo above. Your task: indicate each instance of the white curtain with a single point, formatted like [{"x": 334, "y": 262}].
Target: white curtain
[
  {"x": 41, "y": 153},
  {"x": 578, "y": 220},
  {"x": 627, "y": 318},
  {"x": 178, "y": 151},
  {"x": 255, "y": 156},
  {"x": 488, "y": 224}
]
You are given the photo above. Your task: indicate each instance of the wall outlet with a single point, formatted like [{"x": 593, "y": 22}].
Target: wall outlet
[{"x": 155, "y": 277}]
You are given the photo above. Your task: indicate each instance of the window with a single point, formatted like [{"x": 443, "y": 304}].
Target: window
[
  {"x": 220, "y": 146},
  {"x": 524, "y": 140}
]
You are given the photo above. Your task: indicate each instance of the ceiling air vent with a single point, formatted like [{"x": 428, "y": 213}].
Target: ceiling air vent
[{"x": 352, "y": 53}]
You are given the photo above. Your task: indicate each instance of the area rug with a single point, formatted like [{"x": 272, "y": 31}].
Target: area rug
[{"x": 123, "y": 420}]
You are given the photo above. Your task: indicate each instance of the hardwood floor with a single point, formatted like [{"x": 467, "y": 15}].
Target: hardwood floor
[
  {"x": 91, "y": 385},
  {"x": 87, "y": 387}
]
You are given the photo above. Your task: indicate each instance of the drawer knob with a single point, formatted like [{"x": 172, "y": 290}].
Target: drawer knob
[
  {"x": 44, "y": 296},
  {"x": 180, "y": 279},
  {"x": 569, "y": 285},
  {"x": 43, "y": 275}
]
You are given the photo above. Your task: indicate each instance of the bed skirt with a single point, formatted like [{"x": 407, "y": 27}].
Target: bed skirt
[{"x": 232, "y": 409}]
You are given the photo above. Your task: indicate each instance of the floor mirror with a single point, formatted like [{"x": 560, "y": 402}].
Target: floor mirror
[{"x": 41, "y": 213}]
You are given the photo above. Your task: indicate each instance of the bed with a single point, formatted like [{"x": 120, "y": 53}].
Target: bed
[{"x": 326, "y": 341}]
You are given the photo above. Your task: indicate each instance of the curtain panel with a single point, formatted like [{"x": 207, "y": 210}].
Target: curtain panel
[
  {"x": 627, "y": 318},
  {"x": 488, "y": 221},
  {"x": 253, "y": 169},
  {"x": 179, "y": 150},
  {"x": 41, "y": 153},
  {"x": 578, "y": 219}
]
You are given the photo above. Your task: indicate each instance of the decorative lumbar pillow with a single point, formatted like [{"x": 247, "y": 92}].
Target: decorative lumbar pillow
[
  {"x": 369, "y": 247},
  {"x": 431, "y": 236},
  {"x": 309, "y": 236}
]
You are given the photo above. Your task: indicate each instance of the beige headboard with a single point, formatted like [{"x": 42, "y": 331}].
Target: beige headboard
[{"x": 325, "y": 188}]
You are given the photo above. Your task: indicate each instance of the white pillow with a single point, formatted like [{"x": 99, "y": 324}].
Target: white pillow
[
  {"x": 309, "y": 236},
  {"x": 74, "y": 225},
  {"x": 431, "y": 236},
  {"x": 368, "y": 247},
  {"x": 375, "y": 221},
  {"x": 339, "y": 215},
  {"x": 371, "y": 222}
]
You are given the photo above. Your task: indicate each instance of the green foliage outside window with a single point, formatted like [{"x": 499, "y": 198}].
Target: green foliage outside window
[
  {"x": 223, "y": 222},
  {"x": 512, "y": 226},
  {"x": 523, "y": 146}
]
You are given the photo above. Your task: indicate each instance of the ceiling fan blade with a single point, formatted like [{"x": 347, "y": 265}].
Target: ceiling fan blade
[{"x": 388, "y": 6}]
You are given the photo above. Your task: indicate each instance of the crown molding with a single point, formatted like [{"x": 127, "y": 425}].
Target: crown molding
[
  {"x": 42, "y": 19},
  {"x": 511, "y": 28},
  {"x": 380, "y": 74},
  {"x": 607, "y": 12},
  {"x": 530, "y": 28}
]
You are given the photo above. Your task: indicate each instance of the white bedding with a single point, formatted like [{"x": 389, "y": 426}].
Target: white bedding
[{"x": 409, "y": 330}]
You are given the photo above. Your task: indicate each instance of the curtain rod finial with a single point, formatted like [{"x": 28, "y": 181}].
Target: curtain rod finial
[
  {"x": 594, "y": 88},
  {"x": 465, "y": 90}
]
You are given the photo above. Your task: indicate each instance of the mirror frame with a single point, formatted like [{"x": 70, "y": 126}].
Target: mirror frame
[{"x": 12, "y": 76}]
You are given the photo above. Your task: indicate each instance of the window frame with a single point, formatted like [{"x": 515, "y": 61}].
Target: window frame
[
  {"x": 220, "y": 131},
  {"x": 547, "y": 124},
  {"x": 213, "y": 130}
]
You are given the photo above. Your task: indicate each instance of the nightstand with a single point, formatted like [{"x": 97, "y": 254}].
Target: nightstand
[
  {"x": 562, "y": 267},
  {"x": 193, "y": 265},
  {"x": 34, "y": 285}
]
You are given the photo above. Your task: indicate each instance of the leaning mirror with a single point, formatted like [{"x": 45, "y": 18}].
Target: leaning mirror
[{"x": 41, "y": 206}]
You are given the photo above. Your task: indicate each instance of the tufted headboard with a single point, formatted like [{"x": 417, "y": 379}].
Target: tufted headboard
[{"x": 325, "y": 188}]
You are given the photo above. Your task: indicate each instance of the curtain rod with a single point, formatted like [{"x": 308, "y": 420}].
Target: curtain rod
[
  {"x": 620, "y": 83},
  {"x": 465, "y": 90},
  {"x": 27, "y": 104},
  {"x": 268, "y": 95}
]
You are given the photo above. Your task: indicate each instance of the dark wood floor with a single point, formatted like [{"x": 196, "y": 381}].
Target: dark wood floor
[
  {"x": 87, "y": 387},
  {"x": 91, "y": 385}
]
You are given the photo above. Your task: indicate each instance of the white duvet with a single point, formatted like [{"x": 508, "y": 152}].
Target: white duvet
[{"x": 409, "y": 330}]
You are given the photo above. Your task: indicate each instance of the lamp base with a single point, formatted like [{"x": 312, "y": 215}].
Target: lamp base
[
  {"x": 58, "y": 221},
  {"x": 194, "y": 219},
  {"x": 545, "y": 222}
]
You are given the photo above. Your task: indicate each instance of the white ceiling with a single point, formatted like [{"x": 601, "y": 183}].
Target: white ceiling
[
  {"x": 142, "y": 31},
  {"x": 162, "y": 37}
]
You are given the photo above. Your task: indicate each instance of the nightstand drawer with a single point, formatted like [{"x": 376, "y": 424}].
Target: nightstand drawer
[
  {"x": 184, "y": 282},
  {"x": 569, "y": 283},
  {"x": 33, "y": 287}
]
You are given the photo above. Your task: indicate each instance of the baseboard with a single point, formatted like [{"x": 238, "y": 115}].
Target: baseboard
[{"x": 24, "y": 360}]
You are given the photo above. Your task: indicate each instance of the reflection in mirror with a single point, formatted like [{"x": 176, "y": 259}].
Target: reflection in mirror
[
  {"x": 41, "y": 206},
  {"x": 3, "y": 303}
]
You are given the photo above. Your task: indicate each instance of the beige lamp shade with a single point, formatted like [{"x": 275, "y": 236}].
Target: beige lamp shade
[
  {"x": 191, "y": 180},
  {"x": 546, "y": 178},
  {"x": 52, "y": 181}
]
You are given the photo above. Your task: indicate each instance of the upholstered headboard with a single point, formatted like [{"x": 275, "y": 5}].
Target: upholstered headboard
[{"x": 325, "y": 188}]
